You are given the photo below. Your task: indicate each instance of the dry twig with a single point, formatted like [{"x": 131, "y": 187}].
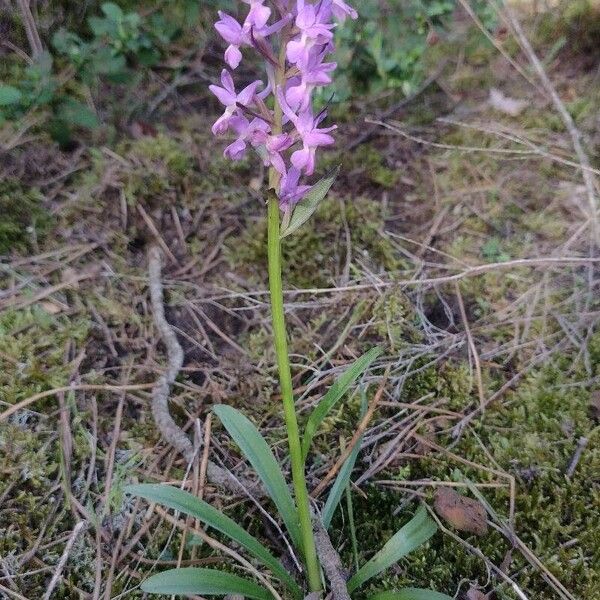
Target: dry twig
[
  {"x": 170, "y": 431},
  {"x": 331, "y": 562},
  {"x": 63, "y": 559}
]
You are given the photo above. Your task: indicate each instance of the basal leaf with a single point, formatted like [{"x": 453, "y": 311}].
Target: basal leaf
[
  {"x": 207, "y": 582},
  {"x": 188, "y": 504},
  {"x": 257, "y": 451},
  {"x": 334, "y": 394},
  {"x": 415, "y": 533},
  {"x": 339, "y": 485}
]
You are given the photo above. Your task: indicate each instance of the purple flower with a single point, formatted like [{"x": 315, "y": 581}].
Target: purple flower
[
  {"x": 291, "y": 192},
  {"x": 313, "y": 31},
  {"x": 231, "y": 100},
  {"x": 298, "y": 94},
  {"x": 307, "y": 129},
  {"x": 233, "y": 33},
  {"x": 248, "y": 132},
  {"x": 290, "y": 149},
  {"x": 258, "y": 15}
]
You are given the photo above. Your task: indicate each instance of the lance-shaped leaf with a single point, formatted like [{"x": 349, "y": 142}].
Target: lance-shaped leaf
[
  {"x": 334, "y": 394},
  {"x": 410, "y": 594},
  {"x": 305, "y": 209},
  {"x": 257, "y": 451},
  {"x": 339, "y": 485},
  {"x": 207, "y": 582},
  {"x": 188, "y": 504},
  {"x": 416, "y": 532}
]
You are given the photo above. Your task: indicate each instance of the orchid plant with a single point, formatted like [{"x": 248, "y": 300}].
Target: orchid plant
[{"x": 275, "y": 118}]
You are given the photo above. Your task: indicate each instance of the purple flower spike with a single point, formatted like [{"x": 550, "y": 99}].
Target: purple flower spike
[{"x": 297, "y": 44}]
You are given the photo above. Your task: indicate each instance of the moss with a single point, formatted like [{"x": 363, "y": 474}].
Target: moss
[
  {"x": 24, "y": 218},
  {"x": 369, "y": 160},
  {"x": 577, "y": 21},
  {"x": 532, "y": 435},
  {"x": 316, "y": 255},
  {"x": 32, "y": 360}
]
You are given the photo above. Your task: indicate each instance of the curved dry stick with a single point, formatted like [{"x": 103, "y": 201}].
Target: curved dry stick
[{"x": 170, "y": 431}]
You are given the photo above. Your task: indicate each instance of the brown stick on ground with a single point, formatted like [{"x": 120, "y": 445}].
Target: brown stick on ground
[
  {"x": 362, "y": 426},
  {"x": 33, "y": 37},
  {"x": 170, "y": 431},
  {"x": 331, "y": 562}
]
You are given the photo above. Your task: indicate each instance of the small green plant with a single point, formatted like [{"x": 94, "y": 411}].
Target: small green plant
[
  {"x": 121, "y": 47},
  {"x": 371, "y": 59},
  {"x": 39, "y": 89},
  {"x": 118, "y": 39}
]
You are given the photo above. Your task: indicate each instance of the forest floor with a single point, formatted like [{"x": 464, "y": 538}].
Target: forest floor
[{"x": 458, "y": 237}]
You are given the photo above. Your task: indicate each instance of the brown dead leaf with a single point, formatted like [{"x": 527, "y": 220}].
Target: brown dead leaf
[{"x": 460, "y": 512}]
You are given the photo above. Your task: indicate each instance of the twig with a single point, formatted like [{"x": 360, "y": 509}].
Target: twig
[
  {"x": 84, "y": 387},
  {"x": 372, "y": 131},
  {"x": 355, "y": 439},
  {"x": 466, "y": 5},
  {"x": 63, "y": 559},
  {"x": 331, "y": 562},
  {"x": 477, "y": 552},
  {"x": 472, "y": 346},
  {"x": 33, "y": 37},
  {"x": 159, "y": 238},
  {"x": 170, "y": 431},
  {"x": 581, "y": 445},
  {"x": 588, "y": 178}
]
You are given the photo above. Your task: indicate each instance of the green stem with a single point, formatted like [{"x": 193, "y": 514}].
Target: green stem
[{"x": 287, "y": 392}]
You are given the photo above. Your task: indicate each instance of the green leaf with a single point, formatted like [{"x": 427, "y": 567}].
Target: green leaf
[
  {"x": 257, "y": 451},
  {"x": 9, "y": 95},
  {"x": 207, "y": 582},
  {"x": 101, "y": 27},
  {"x": 188, "y": 504},
  {"x": 112, "y": 11},
  {"x": 339, "y": 485},
  {"x": 334, "y": 394},
  {"x": 306, "y": 207},
  {"x": 75, "y": 113},
  {"x": 416, "y": 532},
  {"x": 410, "y": 594}
]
